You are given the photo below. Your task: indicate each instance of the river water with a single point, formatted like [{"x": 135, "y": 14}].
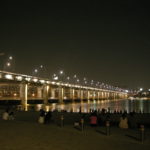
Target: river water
[{"x": 138, "y": 105}]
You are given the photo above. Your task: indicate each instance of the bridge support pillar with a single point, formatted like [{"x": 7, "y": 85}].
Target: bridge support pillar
[
  {"x": 24, "y": 95},
  {"x": 45, "y": 94},
  {"x": 88, "y": 95},
  {"x": 52, "y": 93},
  {"x": 103, "y": 95},
  {"x": 61, "y": 94},
  {"x": 72, "y": 94},
  {"x": 115, "y": 95},
  {"x": 108, "y": 95},
  {"x": 98, "y": 95},
  {"x": 78, "y": 94},
  {"x": 39, "y": 92},
  {"x": 93, "y": 95},
  {"x": 81, "y": 95}
]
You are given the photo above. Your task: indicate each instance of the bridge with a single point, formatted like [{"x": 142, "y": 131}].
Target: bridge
[{"x": 25, "y": 89}]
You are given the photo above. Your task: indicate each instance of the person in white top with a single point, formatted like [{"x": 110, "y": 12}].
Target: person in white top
[
  {"x": 5, "y": 115},
  {"x": 123, "y": 122}
]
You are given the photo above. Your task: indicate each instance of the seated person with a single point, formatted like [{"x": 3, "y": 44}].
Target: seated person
[{"x": 123, "y": 122}]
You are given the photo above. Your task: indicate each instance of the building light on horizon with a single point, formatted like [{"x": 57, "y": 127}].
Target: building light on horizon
[{"x": 141, "y": 89}]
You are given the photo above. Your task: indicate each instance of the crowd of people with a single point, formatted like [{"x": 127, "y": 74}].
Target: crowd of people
[
  {"x": 45, "y": 117},
  {"x": 96, "y": 118},
  {"x": 125, "y": 121}
]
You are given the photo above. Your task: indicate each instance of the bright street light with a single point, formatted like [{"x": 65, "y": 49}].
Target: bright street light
[
  {"x": 8, "y": 64},
  {"x": 41, "y": 66},
  {"x": 55, "y": 78},
  {"x": 78, "y": 80},
  {"x": 61, "y": 72},
  {"x": 141, "y": 89},
  {"x": 75, "y": 76},
  {"x": 84, "y": 79},
  {"x": 10, "y": 57},
  {"x": 35, "y": 70}
]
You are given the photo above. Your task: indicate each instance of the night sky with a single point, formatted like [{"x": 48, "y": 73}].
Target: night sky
[{"x": 107, "y": 41}]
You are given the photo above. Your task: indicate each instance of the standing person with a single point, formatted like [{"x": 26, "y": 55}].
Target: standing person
[
  {"x": 48, "y": 117},
  {"x": 123, "y": 121},
  {"x": 41, "y": 119},
  {"x": 93, "y": 120}
]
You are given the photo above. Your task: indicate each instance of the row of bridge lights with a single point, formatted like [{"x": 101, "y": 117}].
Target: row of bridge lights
[
  {"x": 85, "y": 82},
  {"x": 59, "y": 78},
  {"x": 42, "y": 81},
  {"x": 33, "y": 79},
  {"x": 61, "y": 73}
]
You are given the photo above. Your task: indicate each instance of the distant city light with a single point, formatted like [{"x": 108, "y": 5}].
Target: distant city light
[
  {"x": 8, "y": 64},
  {"x": 55, "y": 78},
  {"x": 41, "y": 66},
  {"x": 15, "y": 94},
  {"x": 33, "y": 94},
  {"x": 61, "y": 72},
  {"x": 35, "y": 70},
  {"x": 68, "y": 78},
  {"x": 10, "y": 57},
  {"x": 141, "y": 89},
  {"x": 75, "y": 76},
  {"x": 84, "y": 79},
  {"x": 54, "y": 75}
]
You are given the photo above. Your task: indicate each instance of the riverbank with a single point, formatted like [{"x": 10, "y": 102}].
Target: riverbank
[
  {"x": 70, "y": 118},
  {"x": 25, "y": 133}
]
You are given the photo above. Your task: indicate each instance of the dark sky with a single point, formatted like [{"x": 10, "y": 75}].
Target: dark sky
[{"x": 107, "y": 41}]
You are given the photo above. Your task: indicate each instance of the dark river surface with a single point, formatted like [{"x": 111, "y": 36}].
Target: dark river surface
[{"x": 137, "y": 105}]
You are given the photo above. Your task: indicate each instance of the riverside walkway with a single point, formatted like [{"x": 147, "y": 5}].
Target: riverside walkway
[{"x": 25, "y": 133}]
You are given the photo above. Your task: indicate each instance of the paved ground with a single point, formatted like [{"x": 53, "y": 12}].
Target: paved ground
[{"x": 24, "y": 134}]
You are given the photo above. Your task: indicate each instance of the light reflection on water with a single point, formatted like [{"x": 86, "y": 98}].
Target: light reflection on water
[{"x": 112, "y": 105}]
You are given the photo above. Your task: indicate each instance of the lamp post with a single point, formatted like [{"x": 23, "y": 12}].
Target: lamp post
[
  {"x": 68, "y": 79},
  {"x": 61, "y": 75},
  {"x": 55, "y": 77},
  {"x": 8, "y": 65},
  {"x": 38, "y": 71},
  {"x": 61, "y": 89}
]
